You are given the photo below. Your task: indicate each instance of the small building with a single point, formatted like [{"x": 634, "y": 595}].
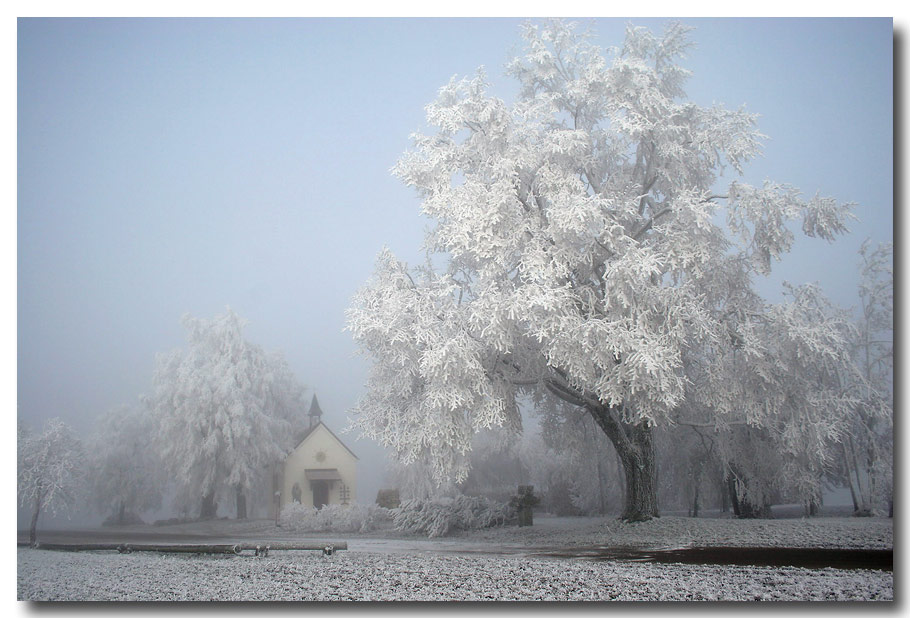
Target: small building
[{"x": 320, "y": 470}]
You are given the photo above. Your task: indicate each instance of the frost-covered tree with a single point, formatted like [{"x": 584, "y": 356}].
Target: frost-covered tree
[
  {"x": 224, "y": 409},
  {"x": 868, "y": 449},
  {"x": 774, "y": 397},
  {"x": 496, "y": 466},
  {"x": 572, "y": 464},
  {"x": 415, "y": 480},
  {"x": 50, "y": 470},
  {"x": 587, "y": 246},
  {"x": 126, "y": 472},
  {"x": 691, "y": 473}
]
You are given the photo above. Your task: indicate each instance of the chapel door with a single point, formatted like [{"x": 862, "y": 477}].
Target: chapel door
[{"x": 320, "y": 494}]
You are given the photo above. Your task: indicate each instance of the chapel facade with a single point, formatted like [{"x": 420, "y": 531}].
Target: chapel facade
[{"x": 320, "y": 470}]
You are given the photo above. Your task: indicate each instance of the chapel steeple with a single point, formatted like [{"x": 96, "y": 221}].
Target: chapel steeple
[{"x": 315, "y": 413}]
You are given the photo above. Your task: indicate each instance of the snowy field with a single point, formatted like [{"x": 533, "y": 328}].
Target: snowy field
[
  {"x": 365, "y": 576},
  {"x": 392, "y": 567},
  {"x": 832, "y": 532}
]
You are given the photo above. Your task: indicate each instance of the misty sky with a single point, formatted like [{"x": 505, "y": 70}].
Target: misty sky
[{"x": 171, "y": 166}]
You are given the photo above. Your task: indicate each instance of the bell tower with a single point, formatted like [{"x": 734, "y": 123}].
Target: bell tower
[{"x": 315, "y": 412}]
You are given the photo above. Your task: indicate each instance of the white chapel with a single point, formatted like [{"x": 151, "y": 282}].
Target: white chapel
[{"x": 320, "y": 470}]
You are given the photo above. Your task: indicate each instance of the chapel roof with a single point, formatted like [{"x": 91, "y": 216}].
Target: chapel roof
[{"x": 306, "y": 432}]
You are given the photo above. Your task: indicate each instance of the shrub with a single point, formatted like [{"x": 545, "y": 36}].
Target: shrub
[
  {"x": 439, "y": 516},
  {"x": 334, "y": 518}
]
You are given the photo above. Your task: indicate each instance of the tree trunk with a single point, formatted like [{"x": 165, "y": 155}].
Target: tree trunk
[
  {"x": 873, "y": 474},
  {"x": 121, "y": 513},
  {"x": 641, "y": 481},
  {"x": 209, "y": 507},
  {"x": 621, "y": 476},
  {"x": 699, "y": 469},
  {"x": 635, "y": 446},
  {"x": 812, "y": 507},
  {"x": 864, "y": 504},
  {"x": 241, "y": 503},
  {"x": 724, "y": 503},
  {"x": 743, "y": 508},
  {"x": 850, "y": 477},
  {"x": 748, "y": 510},
  {"x": 731, "y": 491},
  {"x": 33, "y": 529}
]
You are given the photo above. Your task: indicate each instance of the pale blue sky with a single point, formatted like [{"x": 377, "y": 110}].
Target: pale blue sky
[{"x": 173, "y": 166}]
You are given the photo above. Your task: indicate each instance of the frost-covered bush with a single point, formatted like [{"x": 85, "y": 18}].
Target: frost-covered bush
[
  {"x": 439, "y": 516},
  {"x": 334, "y": 518}
]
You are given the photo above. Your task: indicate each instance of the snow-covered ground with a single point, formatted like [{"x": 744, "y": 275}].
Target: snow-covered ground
[
  {"x": 389, "y": 566},
  {"x": 834, "y": 532},
  {"x": 366, "y": 576}
]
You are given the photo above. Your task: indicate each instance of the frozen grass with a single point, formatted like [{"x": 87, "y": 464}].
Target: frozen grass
[{"x": 360, "y": 576}]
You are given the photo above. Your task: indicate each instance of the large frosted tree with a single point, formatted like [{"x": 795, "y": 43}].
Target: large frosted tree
[
  {"x": 50, "y": 470},
  {"x": 586, "y": 248},
  {"x": 224, "y": 410}
]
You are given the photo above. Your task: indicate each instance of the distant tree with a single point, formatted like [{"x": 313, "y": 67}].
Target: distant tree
[
  {"x": 496, "y": 466},
  {"x": 774, "y": 399},
  {"x": 868, "y": 448},
  {"x": 126, "y": 473},
  {"x": 584, "y": 253},
  {"x": 415, "y": 480},
  {"x": 691, "y": 473},
  {"x": 573, "y": 465},
  {"x": 549, "y": 473},
  {"x": 50, "y": 470},
  {"x": 224, "y": 409},
  {"x": 753, "y": 470}
]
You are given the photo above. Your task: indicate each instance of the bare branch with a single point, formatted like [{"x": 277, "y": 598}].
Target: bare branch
[{"x": 650, "y": 223}]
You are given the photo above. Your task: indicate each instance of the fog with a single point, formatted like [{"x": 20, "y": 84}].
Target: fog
[{"x": 174, "y": 166}]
